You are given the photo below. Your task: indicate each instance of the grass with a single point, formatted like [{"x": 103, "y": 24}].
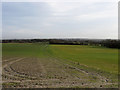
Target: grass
[
  {"x": 101, "y": 58},
  {"x": 31, "y": 50},
  {"x": 96, "y": 57}
]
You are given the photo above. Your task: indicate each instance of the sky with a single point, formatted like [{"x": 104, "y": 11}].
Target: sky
[{"x": 34, "y": 20}]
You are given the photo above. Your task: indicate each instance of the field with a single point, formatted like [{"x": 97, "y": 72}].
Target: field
[{"x": 40, "y": 65}]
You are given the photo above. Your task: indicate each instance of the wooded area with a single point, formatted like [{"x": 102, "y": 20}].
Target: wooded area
[{"x": 97, "y": 42}]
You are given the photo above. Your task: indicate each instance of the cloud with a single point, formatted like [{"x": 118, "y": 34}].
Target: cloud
[
  {"x": 94, "y": 16},
  {"x": 60, "y": 19},
  {"x": 60, "y": 0}
]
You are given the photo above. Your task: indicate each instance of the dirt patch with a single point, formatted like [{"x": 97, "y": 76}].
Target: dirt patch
[{"x": 48, "y": 72}]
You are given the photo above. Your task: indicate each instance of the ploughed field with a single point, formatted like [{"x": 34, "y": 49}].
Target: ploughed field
[{"x": 40, "y": 65}]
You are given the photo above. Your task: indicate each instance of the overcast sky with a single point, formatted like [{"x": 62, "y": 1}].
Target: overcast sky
[{"x": 97, "y": 20}]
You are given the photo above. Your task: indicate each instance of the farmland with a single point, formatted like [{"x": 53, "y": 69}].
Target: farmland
[{"x": 38, "y": 65}]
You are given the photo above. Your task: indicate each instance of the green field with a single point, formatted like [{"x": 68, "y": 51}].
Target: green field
[{"x": 95, "y": 59}]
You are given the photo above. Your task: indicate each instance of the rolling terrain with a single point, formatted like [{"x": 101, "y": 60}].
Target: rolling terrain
[{"x": 40, "y": 65}]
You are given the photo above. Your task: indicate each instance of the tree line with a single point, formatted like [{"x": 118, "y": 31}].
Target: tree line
[{"x": 110, "y": 43}]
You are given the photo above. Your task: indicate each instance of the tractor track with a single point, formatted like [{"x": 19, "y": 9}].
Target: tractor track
[{"x": 63, "y": 77}]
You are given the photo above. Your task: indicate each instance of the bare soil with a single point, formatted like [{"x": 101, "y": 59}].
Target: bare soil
[{"x": 49, "y": 73}]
